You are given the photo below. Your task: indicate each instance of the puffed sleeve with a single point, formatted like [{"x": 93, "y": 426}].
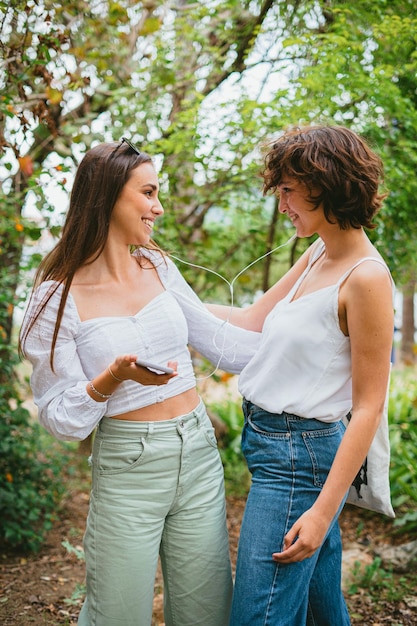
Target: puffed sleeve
[
  {"x": 65, "y": 408},
  {"x": 227, "y": 346}
]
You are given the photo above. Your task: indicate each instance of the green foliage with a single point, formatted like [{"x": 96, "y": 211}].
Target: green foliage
[
  {"x": 403, "y": 439},
  {"x": 30, "y": 469},
  {"x": 76, "y": 550},
  {"x": 200, "y": 86},
  {"x": 30, "y": 480},
  {"x": 382, "y": 585},
  {"x": 236, "y": 473},
  {"x": 372, "y": 577},
  {"x": 78, "y": 595},
  {"x": 30, "y": 485},
  {"x": 360, "y": 71}
]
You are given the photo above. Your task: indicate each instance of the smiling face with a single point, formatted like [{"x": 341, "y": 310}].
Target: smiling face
[
  {"x": 134, "y": 213},
  {"x": 295, "y": 199}
]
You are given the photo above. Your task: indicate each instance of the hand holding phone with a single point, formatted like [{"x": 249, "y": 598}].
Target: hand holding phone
[{"x": 161, "y": 369}]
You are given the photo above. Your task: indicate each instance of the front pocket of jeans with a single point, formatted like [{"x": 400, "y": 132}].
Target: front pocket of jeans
[
  {"x": 322, "y": 446},
  {"x": 116, "y": 458},
  {"x": 210, "y": 435},
  {"x": 266, "y": 433}
]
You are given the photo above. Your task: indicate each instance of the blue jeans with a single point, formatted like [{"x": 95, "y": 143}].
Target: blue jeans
[
  {"x": 157, "y": 491},
  {"x": 289, "y": 458}
]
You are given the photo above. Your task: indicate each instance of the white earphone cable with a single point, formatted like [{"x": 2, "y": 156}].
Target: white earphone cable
[{"x": 221, "y": 349}]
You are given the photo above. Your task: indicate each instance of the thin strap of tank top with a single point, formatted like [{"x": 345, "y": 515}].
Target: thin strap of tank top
[
  {"x": 365, "y": 258},
  {"x": 315, "y": 253}
]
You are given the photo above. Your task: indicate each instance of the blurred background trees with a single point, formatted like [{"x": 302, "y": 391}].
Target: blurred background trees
[{"x": 200, "y": 85}]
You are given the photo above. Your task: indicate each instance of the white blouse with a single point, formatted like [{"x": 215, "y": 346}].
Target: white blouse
[{"x": 160, "y": 332}]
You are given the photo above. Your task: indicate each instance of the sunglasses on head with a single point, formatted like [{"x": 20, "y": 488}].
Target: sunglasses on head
[{"x": 130, "y": 144}]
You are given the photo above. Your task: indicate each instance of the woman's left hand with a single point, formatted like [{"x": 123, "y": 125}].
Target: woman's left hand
[{"x": 303, "y": 538}]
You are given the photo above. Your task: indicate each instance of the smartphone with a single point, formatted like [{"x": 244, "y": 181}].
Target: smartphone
[{"x": 154, "y": 366}]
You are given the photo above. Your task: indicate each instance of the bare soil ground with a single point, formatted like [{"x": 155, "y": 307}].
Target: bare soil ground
[{"x": 41, "y": 589}]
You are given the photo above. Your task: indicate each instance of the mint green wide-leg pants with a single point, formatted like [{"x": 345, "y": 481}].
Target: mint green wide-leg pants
[{"x": 157, "y": 490}]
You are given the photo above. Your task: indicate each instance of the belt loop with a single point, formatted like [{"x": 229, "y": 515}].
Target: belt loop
[{"x": 150, "y": 429}]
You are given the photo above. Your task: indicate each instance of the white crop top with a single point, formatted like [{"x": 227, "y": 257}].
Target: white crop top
[
  {"x": 159, "y": 332},
  {"x": 303, "y": 365}
]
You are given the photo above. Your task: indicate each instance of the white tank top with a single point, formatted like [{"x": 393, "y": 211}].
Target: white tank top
[{"x": 303, "y": 365}]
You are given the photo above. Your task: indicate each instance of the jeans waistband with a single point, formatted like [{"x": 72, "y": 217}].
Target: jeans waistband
[
  {"x": 248, "y": 405},
  {"x": 253, "y": 411},
  {"x": 129, "y": 428}
]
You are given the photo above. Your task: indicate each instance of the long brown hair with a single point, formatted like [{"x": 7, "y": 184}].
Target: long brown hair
[{"x": 100, "y": 178}]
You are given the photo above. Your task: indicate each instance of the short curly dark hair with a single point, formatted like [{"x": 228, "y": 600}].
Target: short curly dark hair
[{"x": 337, "y": 162}]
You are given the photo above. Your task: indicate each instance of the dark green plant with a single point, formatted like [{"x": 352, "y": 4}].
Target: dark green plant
[
  {"x": 78, "y": 595},
  {"x": 381, "y": 583},
  {"x": 374, "y": 578},
  {"x": 30, "y": 483},
  {"x": 236, "y": 473},
  {"x": 403, "y": 439},
  {"x": 30, "y": 486}
]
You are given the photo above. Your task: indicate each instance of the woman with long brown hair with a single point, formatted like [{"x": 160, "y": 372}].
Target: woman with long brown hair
[{"x": 157, "y": 476}]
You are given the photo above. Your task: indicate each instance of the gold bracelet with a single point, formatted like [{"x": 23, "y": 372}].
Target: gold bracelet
[
  {"x": 119, "y": 380},
  {"x": 105, "y": 396}
]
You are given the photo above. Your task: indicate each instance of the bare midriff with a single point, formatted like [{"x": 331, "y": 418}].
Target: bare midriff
[{"x": 171, "y": 407}]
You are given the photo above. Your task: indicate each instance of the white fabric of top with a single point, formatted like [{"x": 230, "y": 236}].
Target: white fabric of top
[
  {"x": 159, "y": 332},
  {"x": 303, "y": 365}
]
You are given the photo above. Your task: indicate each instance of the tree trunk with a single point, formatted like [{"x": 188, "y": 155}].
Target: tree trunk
[
  {"x": 269, "y": 245},
  {"x": 407, "y": 339}
]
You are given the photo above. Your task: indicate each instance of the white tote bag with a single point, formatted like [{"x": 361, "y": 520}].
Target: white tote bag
[{"x": 371, "y": 487}]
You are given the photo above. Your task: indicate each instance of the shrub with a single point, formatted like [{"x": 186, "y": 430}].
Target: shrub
[
  {"x": 236, "y": 473},
  {"x": 30, "y": 486},
  {"x": 403, "y": 439}
]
